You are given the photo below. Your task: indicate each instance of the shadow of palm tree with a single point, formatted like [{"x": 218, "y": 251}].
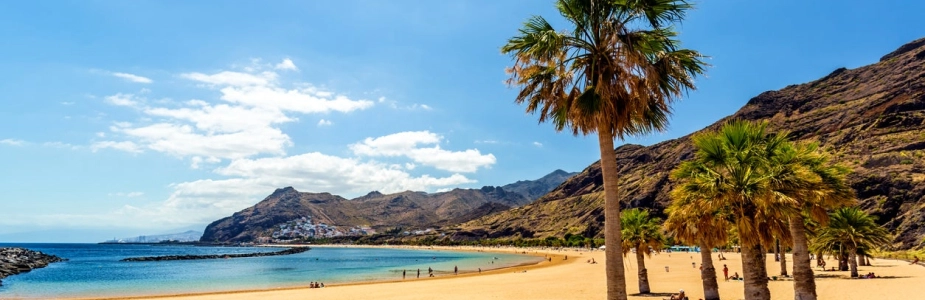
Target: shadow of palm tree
[{"x": 652, "y": 295}]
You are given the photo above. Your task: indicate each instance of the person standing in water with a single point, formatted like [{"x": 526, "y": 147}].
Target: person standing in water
[
  {"x": 455, "y": 270},
  {"x": 419, "y": 273},
  {"x": 403, "y": 274}
]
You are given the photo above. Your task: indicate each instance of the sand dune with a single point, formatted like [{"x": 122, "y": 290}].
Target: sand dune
[{"x": 576, "y": 279}]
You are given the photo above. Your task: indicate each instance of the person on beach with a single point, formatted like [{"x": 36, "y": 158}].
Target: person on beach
[
  {"x": 480, "y": 270},
  {"x": 455, "y": 270},
  {"x": 419, "y": 273},
  {"x": 430, "y": 272},
  {"x": 726, "y": 272},
  {"x": 679, "y": 296},
  {"x": 403, "y": 274},
  {"x": 666, "y": 269},
  {"x": 915, "y": 261},
  {"x": 693, "y": 264}
]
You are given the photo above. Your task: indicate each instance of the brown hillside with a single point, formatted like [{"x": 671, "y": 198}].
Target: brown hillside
[{"x": 871, "y": 119}]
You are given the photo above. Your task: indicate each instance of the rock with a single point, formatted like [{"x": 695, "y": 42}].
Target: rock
[
  {"x": 217, "y": 256},
  {"x": 19, "y": 260}
]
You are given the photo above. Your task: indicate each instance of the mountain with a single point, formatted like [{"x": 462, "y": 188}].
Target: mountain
[
  {"x": 871, "y": 119},
  {"x": 534, "y": 189},
  {"x": 188, "y": 236},
  {"x": 288, "y": 213}
]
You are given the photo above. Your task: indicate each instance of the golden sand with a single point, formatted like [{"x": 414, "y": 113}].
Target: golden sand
[{"x": 576, "y": 279}]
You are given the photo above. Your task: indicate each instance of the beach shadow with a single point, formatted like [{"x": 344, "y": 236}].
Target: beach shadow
[
  {"x": 817, "y": 275},
  {"x": 890, "y": 277},
  {"x": 652, "y": 295}
]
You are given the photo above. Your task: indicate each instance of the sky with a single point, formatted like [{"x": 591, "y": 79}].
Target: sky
[{"x": 125, "y": 118}]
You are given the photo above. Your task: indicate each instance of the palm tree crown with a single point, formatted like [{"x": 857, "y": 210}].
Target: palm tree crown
[
  {"x": 619, "y": 64},
  {"x": 641, "y": 232}
]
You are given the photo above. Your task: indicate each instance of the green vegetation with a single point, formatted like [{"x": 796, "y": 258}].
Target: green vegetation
[
  {"x": 615, "y": 73},
  {"x": 764, "y": 187},
  {"x": 644, "y": 235},
  {"x": 849, "y": 231}
]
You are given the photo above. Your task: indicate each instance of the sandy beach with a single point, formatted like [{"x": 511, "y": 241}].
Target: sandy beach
[{"x": 575, "y": 278}]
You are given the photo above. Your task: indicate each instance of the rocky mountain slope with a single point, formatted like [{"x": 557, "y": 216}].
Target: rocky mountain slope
[
  {"x": 534, "y": 189},
  {"x": 376, "y": 210},
  {"x": 871, "y": 119}
]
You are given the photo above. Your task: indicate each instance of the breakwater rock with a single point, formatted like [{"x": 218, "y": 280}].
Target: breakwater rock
[
  {"x": 217, "y": 256},
  {"x": 18, "y": 260}
]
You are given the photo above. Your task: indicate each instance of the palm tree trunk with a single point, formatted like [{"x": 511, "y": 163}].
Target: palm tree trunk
[
  {"x": 853, "y": 261},
  {"x": 643, "y": 273},
  {"x": 708, "y": 275},
  {"x": 842, "y": 259},
  {"x": 755, "y": 271},
  {"x": 616, "y": 279},
  {"x": 776, "y": 249},
  {"x": 804, "y": 284},
  {"x": 783, "y": 263}
]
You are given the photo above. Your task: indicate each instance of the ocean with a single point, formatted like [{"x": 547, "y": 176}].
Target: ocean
[{"x": 94, "y": 270}]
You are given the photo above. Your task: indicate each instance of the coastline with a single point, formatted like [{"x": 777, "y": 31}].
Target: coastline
[
  {"x": 523, "y": 267},
  {"x": 566, "y": 279}
]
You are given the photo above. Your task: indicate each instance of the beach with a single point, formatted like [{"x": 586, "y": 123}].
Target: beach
[{"x": 575, "y": 278}]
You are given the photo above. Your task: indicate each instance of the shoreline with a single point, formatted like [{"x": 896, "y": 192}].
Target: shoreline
[{"x": 522, "y": 267}]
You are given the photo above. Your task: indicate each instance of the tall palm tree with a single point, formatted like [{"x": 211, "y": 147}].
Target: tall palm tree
[
  {"x": 851, "y": 229},
  {"x": 732, "y": 171},
  {"x": 643, "y": 234},
  {"x": 615, "y": 71},
  {"x": 692, "y": 225},
  {"x": 805, "y": 175}
]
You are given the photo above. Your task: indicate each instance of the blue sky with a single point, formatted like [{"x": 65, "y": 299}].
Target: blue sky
[{"x": 121, "y": 118}]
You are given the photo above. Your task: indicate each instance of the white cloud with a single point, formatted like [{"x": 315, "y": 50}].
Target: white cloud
[
  {"x": 13, "y": 142},
  {"x": 61, "y": 145},
  {"x": 286, "y": 64},
  {"x": 406, "y": 144},
  {"x": 122, "y": 100},
  {"x": 538, "y": 144},
  {"x": 486, "y": 142},
  {"x": 319, "y": 172},
  {"x": 68, "y": 103},
  {"x": 132, "y": 77},
  {"x": 122, "y": 146},
  {"x": 244, "y": 122},
  {"x": 239, "y": 135},
  {"x": 230, "y": 78}
]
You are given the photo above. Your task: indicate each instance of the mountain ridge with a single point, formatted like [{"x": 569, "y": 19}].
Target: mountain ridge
[
  {"x": 871, "y": 119},
  {"x": 287, "y": 212}
]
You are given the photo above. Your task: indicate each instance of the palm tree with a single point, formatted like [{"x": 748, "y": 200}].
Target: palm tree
[
  {"x": 805, "y": 175},
  {"x": 616, "y": 73},
  {"x": 642, "y": 233},
  {"x": 850, "y": 229},
  {"x": 732, "y": 171},
  {"x": 692, "y": 225}
]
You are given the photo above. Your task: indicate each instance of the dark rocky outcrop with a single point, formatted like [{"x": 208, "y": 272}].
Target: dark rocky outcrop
[
  {"x": 405, "y": 209},
  {"x": 19, "y": 260},
  {"x": 871, "y": 119},
  {"x": 217, "y": 256}
]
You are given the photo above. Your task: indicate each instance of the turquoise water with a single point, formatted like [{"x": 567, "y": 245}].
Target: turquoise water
[{"x": 95, "y": 270}]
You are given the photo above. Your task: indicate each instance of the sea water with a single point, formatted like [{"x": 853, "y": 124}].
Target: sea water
[{"x": 94, "y": 270}]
